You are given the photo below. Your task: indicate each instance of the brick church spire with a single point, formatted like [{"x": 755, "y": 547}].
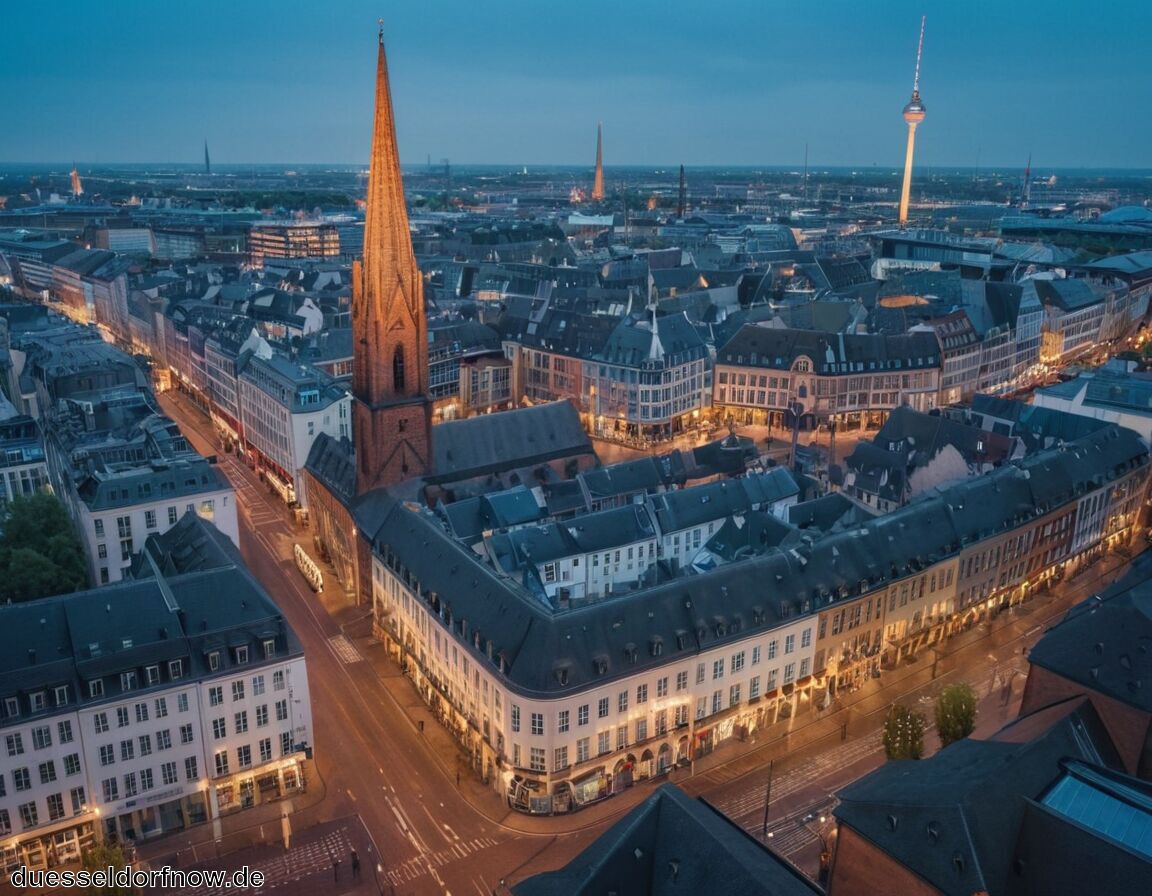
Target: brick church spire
[{"x": 391, "y": 417}]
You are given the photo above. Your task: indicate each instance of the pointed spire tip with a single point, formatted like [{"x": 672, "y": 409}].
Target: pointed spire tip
[{"x": 380, "y": 32}]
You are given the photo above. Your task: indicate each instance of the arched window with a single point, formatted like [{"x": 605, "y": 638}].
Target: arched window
[{"x": 398, "y": 369}]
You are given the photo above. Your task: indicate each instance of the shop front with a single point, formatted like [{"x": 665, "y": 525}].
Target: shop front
[{"x": 266, "y": 784}]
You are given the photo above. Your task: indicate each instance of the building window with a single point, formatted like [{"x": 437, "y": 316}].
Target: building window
[
  {"x": 130, "y": 784},
  {"x": 398, "y": 376},
  {"x": 681, "y": 681},
  {"x": 28, "y": 816},
  {"x": 662, "y": 687},
  {"x": 622, "y": 702},
  {"x": 257, "y": 685},
  {"x": 191, "y": 772},
  {"x": 238, "y": 690},
  {"x": 270, "y": 648},
  {"x": 161, "y": 707},
  {"x": 127, "y": 681},
  {"x": 737, "y": 662},
  {"x": 121, "y": 716},
  {"x": 215, "y": 695},
  {"x": 127, "y": 750},
  {"x": 734, "y": 695},
  {"x": 603, "y": 743},
  {"x": 261, "y": 715},
  {"x": 47, "y": 772},
  {"x": 186, "y": 735},
  {"x": 214, "y": 660},
  {"x": 141, "y": 712},
  {"x": 145, "y": 744},
  {"x": 538, "y": 723},
  {"x": 42, "y": 737},
  {"x": 98, "y": 527},
  {"x": 172, "y": 517},
  {"x": 175, "y": 669},
  {"x": 582, "y": 714},
  {"x": 100, "y": 722},
  {"x": 717, "y": 701},
  {"x": 168, "y": 773},
  {"x": 559, "y": 759},
  {"x": 641, "y": 694},
  {"x": 222, "y": 762},
  {"x": 21, "y": 780},
  {"x": 278, "y": 680},
  {"x": 15, "y": 744},
  {"x": 806, "y": 638},
  {"x": 281, "y": 710},
  {"x": 717, "y": 669},
  {"x": 244, "y": 756},
  {"x": 602, "y": 708},
  {"x": 582, "y": 749},
  {"x": 266, "y": 749},
  {"x": 219, "y": 729},
  {"x": 107, "y": 754},
  {"x": 79, "y": 799},
  {"x": 754, "y": 688},
  {"x": 164, "y": 739},
  {"x": 789, "y": 644},
  {"x": 789, "y": 673},
  {"x": 699, "y": 673},
  {"x": 150, "y": 519},
  {"x": 515, "y": 718},
  {"x": 241, "y": 720},
  {"x": 562, "y": 721},
  {"x": 536, "y": 759},
  {"x": 241, "y": 657},
  {"x": 182, "y": 702}
]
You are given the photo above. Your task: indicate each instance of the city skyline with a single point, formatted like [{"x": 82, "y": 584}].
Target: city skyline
[{"x": 274, "y": 84}]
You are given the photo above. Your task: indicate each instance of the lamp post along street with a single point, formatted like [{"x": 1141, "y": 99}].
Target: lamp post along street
[{"x": 767, "y": 800}]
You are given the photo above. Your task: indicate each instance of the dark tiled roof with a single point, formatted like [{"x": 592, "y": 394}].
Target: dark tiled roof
[
  {"x": 1104, "y": 645},
  {"x": 466, "y": 448},
  {"x": 332, "y": 462},
  {"x": 669, "y": 845},
  {"x": 777, "y": 349},
  {"x": 954, "y": 819}
]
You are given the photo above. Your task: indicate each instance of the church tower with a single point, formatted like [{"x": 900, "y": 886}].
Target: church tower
[{"x": 391, "y": 413}]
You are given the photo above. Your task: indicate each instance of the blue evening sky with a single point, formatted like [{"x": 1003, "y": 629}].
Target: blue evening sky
[{"x": 523, "y": 82}]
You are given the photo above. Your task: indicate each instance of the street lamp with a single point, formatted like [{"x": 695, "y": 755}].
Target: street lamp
[{"x": 825, "y": 853}]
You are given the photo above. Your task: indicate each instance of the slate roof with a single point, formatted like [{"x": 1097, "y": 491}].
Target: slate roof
[
  {"x": 479, "y": 445},
  {"x": 332, "y": 462},
  {"x": 1104, "y": 645},
  {"x": 190, "y": 592},
  {"x": 954, "y": 819},
  {"x": 1069, "y": 294},
  {"x": 685, "y": 508},
  {"x": 671, "y": 844},
  {"x": 777, "y": 349},
  {"x": 544, "y": 651}
]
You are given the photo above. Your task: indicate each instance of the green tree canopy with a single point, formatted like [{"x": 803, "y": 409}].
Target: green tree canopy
[
  {"x": 955, "y": 713},
  {"x": 904, "y": 733},
  {"x": 39, "y": 550},
  {"x": 105, "y": 856}
]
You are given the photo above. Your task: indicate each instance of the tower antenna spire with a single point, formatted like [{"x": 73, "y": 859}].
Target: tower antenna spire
[{"x": 919, "y": 53}]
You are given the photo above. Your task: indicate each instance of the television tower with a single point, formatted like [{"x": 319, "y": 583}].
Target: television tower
[
  {"x": 77, "y": 187},
  {"x": 598, "y": 180},
  {"x": 207, "y": 161},
  {"x": 913, "y": 114}
]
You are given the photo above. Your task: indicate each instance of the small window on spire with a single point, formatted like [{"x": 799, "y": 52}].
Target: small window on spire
[{"x": 398, "y": 369}]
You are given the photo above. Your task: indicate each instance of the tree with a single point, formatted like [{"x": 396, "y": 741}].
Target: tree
[
  {"x": 39, "y": 550},
  {"x": 904, "y": 733},
  {"x": 955, "y": 713},
  {"x": 104, "y": 856}
]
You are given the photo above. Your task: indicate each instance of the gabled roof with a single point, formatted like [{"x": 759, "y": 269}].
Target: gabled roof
[
  {"x": 954, "y": 819},
  {"x": 1103, "y": 643},
  {"x": 479, "y": 445},
  {"x": 670, "y": 845}
]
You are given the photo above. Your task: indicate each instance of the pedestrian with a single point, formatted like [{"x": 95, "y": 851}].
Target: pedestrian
[
  {"x": 355, "y": 866},
  {"x": 457, "y": 780},
  {"x": 335, "y": 869}
]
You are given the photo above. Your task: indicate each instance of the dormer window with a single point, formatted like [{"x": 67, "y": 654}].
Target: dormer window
[
  {"x": 96, "y": 688},
  {"x": 269, "y": 648},
  {"x": 38, "y": 701},
  {"x": 175, "y": 669},
  {"x": 152, "y": 674},
  {"x": 214, "y": 660},
  {"x": 11, "y": 707},
  {"x": 128, "y": 681},
  {"x": 241, "y": 654}
]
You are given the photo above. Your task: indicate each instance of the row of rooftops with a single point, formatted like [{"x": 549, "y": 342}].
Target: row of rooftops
[
  {"x": 190, "y": 598},
  {"x": 603, "y": 640}
]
